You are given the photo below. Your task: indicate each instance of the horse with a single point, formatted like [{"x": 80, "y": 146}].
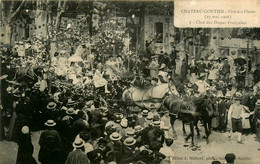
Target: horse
[
  {"x": 190, "y": 110},
  {"x": 150, "y": 97}
]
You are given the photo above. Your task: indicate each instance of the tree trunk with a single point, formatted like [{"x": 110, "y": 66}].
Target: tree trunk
[{"x": 61, "y": 9}]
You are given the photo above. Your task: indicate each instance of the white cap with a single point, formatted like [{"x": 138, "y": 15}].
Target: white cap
[{"x": 25, "y": 130}]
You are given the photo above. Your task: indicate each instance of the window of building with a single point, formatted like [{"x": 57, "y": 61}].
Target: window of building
[{"x": 159, "y": 32}]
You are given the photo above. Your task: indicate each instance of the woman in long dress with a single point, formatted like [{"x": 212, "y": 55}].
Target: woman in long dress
[{"x": 98, "y": 79}]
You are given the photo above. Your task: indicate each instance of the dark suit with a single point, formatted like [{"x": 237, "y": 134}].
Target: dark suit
[
  {"x": 256, "y": 75},
  {"x": 250, "y": 101},
  {"x": 222, "y": 114},
  {"x": 128, "y": 155},
  {"x": 49, "y": 146}
]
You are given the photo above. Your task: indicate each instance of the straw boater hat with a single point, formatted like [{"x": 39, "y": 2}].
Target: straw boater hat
[
  {"x": 156, "y": 123},
  {"x": 115, "y": 136},
  {"x": 50, "y": 123},
  {"x": 138, "y": 128},
  {"x": 78, "y": 143},
  {"x": 51, "y": 105},
  {"x": 145, "y": 112},
  {"x": 150, "y": 116},
  {"x": 129, "y": 141},
  {"x": 70, "y": 111},
  {"x": 71, "y": 102},
  {"x": 130, "y": 132}
]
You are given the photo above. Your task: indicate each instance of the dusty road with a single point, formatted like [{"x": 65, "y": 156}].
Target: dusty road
[{"x": 220, "y": 145}]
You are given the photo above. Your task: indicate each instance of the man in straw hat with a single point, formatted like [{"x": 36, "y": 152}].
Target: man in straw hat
[
  {"x": 141, "y": 120},
  {"x": 235, "y": 116},
  {"x": 77, "y": 156},
  {"x": 128, "y": 153},
  {"x": 115, "y": 141},
  {"x": 49, "y": 144},
  {"x": 51, "y": 112}
]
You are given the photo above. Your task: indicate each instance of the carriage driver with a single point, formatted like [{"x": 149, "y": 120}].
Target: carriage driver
[{"x": 235, "y": 116}]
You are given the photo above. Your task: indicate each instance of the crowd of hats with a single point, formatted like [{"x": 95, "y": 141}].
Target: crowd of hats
[{"x": 119, "y": 128}]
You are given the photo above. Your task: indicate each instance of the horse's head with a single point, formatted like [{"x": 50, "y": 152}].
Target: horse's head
[
  {"x": 172, "y": 89},
  {"x": 205, "y": 105},
  {"x": 188, "y": 104}
]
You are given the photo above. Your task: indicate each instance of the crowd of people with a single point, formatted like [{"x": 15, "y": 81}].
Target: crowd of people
[{"x": 76, "y": 101}]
